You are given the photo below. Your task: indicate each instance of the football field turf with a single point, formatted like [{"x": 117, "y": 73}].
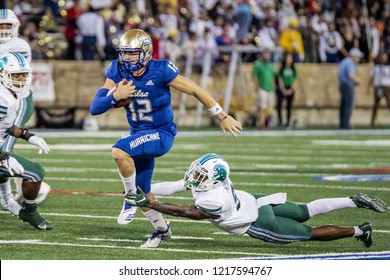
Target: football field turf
[{"x": 86, "y": 195}]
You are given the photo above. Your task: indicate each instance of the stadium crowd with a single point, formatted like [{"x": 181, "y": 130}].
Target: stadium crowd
[{"x": 315, "y": 31}]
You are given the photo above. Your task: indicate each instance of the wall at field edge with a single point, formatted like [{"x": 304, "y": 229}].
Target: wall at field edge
[{"x": 316, "y": 100}]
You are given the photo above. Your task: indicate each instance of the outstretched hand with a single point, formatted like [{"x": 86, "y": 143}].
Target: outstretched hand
[
  {"x": 231, "y": 125},
  {"x": 137, "y": 199}
]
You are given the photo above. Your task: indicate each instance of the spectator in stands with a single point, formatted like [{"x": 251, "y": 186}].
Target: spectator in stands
[
  {"x": 330, "y": 45},
  {"x": 263, "y": 77},
  {"x": 205, "y": 43},
  {"x": 287, "y": 76},
  {"x": 310, "y": 41},
  {"x": 91, "y": 28},
  {"x": 380, "y": 80},
  {"x": 286, "y": 14},
  {"x": 243, "y": 17},
  {"x": 199, "y": 25},
  {"x": 172, "y": 50},
  {"x": 168, "y": 19},
  {"x": 268, "y": 36},
  {"x": 348, "y": 41},
  {"x": 28, "y": 32},
  {"x": 225, "y": 39},
  {"x": 291, "y": 41},
  {"x": 347, "y": 81},
  {"x": 72, "y": 14},
  {"x": 319, "y": 24},
  {"x": 374, "y": 38}
]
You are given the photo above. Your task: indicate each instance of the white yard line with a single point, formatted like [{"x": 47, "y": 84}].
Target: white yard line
[{"x": 40, "y": 242}]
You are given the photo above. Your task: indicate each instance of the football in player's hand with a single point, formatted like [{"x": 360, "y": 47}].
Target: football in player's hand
[{"x": 122, "y": 102}]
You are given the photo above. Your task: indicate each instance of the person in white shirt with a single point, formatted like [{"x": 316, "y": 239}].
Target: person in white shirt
[
  {"x": 330, "y": 45},
  {"x": 380, "y": 80},
  {"x": 91, "y": 28},
  {"x": 270, "y": 218},
  {"x": 10, "y": 42},
  {"x": 15, "y": 78}
]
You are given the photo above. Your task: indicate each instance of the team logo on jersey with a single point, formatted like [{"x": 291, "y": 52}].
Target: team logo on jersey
[
  {"x": 220, "y": 172},
  {"x": 150, "y": 83}
]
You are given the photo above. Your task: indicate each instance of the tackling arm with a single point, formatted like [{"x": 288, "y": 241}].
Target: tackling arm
[{"x": 186, "y": 211}]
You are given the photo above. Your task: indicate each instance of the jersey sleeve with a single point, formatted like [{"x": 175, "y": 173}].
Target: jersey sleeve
[
  {"x": 209, "y": 206},
  {"x": 112, "y": 72},
  {"x": 3, "y": 108},
  {"x": 170, "y": 71}
]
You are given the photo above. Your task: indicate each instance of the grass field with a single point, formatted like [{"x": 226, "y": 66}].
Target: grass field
[{"x": 86, "y": 195}]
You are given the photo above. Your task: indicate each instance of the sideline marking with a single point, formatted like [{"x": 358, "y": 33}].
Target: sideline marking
[
  {"x": 384, "y": 255},
  {"x": 355, "y": 178}
]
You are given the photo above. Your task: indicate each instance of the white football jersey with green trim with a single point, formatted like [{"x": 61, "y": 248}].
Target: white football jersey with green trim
[
  {"x": 9, "y": 106},
  {"x": 238, "y": 209},
  {"x": 18, "y": 45}
]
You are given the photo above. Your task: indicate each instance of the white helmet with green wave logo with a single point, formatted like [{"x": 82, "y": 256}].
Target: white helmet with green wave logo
[{"x": 207, "y": 172}]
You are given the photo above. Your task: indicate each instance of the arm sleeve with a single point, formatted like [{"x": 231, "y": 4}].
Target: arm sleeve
[{"x": 101, "y": 102}]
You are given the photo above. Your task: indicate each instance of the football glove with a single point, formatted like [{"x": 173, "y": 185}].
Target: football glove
[
  {"x": 12, "y": 165},
  {"x": 137, "y": 199},
  {"x": 40, "y": 143}
]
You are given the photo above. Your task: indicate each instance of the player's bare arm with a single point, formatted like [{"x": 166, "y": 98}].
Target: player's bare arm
[
  {"x": 141, "y": 199},
  {"x": 186, "y": 211},
  {"x": 228, "y": 123}
]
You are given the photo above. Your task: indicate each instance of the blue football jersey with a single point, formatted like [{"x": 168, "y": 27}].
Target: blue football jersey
[{"x": 151, "y": 106}]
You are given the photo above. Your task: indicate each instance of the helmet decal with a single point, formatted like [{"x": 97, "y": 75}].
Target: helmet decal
[{"x": 220, "y": 172}]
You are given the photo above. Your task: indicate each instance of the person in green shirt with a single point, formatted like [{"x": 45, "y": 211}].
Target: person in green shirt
[
  {"x": 263, "y": 77},
  {"x": 287, "y": 76}
]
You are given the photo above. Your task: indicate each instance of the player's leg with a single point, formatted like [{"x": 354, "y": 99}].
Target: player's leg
[
  {"x": 32, "y": 178},
  {"x": 150, "y": 144},
  {"x": 326, "y": 205},
  {"x": 127, "y": 173},
  {"x": 167, "y": 188},
  {"x": 25, "y": 112},
  {"x": 162, "y": 231},
  {"x": 6, "y": 197},
  {"x": 275, "y": 229}
]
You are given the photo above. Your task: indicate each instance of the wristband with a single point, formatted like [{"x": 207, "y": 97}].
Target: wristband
[
  {"x": 26, "y": 134},
  {"x": 216, "y": 109},
  {"x": 223, "y": 118}
]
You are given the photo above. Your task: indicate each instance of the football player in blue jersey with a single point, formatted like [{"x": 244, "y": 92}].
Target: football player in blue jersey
[{"x": 145, "y": 83}]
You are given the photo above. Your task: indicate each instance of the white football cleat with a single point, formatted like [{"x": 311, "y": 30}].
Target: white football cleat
[
  {"x": 127, "y": 214},
  {"x": 10, "y": 205},
  {"x": 42, "y": 194},
  {"x": 157, "y": 238}
]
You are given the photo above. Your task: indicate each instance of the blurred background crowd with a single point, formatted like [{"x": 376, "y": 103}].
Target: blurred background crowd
[{"x": 315, "y": 31}]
